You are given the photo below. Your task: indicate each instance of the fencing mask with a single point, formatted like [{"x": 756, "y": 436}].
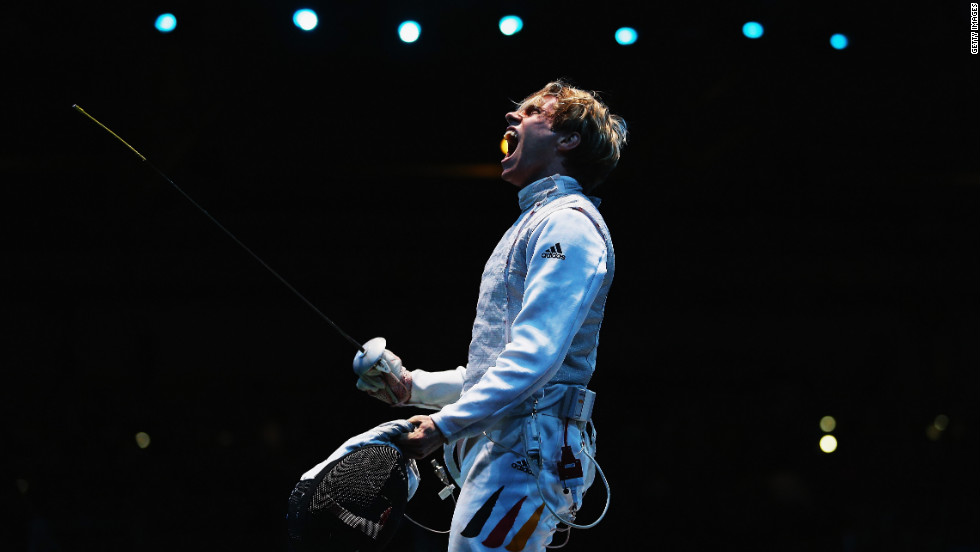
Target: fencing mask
[{"x": 355, "y": 499}]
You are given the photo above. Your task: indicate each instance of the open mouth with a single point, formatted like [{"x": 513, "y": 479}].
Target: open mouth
[{"x": 511, "y": 137}]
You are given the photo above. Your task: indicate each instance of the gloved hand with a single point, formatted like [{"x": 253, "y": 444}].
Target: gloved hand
[
  {"x": 423, "y": 441},
  {"x": 381, "y": 375}
]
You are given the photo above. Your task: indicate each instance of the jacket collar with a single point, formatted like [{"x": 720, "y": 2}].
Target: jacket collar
[{"x": 540, "y": 190}]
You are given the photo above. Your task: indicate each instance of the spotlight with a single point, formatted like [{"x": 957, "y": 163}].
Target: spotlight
[
  {"x": 838, "y": 41},
  {"x": 752, "y": 29},
  {"x": 625, "y": 36},
  {"x": 828, "y": 443},
  {"x": 166, "y": 22},
  {"x": 409, "y": 31},
  {"x": 511, "y": 25},
  {"x": 142, "y": 440},
  {"x": 828, "y": 424},
  {"x": 305, "y": 19}
]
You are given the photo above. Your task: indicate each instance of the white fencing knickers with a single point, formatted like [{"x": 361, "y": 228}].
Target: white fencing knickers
[{"x": 500, "y": 505}]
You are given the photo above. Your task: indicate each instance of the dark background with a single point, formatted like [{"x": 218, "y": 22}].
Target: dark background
[{"x": 795, "y": 228}]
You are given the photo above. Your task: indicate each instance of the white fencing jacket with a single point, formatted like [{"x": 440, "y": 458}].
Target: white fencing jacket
[{"x": 541, "y": 304}]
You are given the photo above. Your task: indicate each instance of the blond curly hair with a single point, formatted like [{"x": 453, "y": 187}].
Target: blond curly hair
[{"x": 602, "y": 133}]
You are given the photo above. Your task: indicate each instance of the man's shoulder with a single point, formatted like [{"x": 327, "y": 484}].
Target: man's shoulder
[
  {"x": 574, "y": 208},
  {"x": 571, "y": 223}
]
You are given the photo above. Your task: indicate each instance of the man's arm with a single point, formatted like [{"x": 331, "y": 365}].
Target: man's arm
[
  {"x": 436, "y": 389},
  {"x": 389, "y": 381}
]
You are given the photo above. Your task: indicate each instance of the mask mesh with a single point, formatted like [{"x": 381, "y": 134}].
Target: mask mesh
[{"x": 364, "y": 490}]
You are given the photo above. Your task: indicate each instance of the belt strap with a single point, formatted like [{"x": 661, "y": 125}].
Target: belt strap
[{"x": 562, "y": 401}]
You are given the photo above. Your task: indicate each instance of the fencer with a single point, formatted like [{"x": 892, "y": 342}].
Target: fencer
[{"x": 515, "y": 421}]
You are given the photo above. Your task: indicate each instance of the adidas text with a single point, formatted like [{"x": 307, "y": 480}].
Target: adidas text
[
  {"x": 523, "y": 466},
  {"x": 554, "y": 252}
]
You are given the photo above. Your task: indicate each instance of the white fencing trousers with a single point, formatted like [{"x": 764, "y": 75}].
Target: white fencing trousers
[{"x": 500, "y": 506}]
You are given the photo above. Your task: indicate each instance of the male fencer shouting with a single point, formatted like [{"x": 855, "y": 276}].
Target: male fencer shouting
[{"x": 515, "y": 421}]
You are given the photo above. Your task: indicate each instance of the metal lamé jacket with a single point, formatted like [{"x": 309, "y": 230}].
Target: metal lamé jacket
[{"x": 541, "y": 304}]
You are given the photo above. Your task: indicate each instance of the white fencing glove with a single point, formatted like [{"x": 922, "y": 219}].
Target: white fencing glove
[{"x": 380, "y": 373}]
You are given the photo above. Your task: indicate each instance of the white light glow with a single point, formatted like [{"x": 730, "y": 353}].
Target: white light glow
[
  {"x": 306, "y": 19},
  {"x": 511, "y": 24},
  {"x": 166, "y": 22},
  {"x": 626, "y": 36},
  {"x": 409, "y": 31}
]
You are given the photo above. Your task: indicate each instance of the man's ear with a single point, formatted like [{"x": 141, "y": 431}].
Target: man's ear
[{"x": 569, "y": 141}]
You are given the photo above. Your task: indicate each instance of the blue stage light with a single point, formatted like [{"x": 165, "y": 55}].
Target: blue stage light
[
  {"x": 166, "y": 22},
  {"x": 626, "y": 35},
  {"x": 511, "y": 25},
  {"x": 409, "y": 31},
  {"x": 306, "y": 19},
  {"x": 752, "y": 29},
  {"x": 838, "y": 41}
]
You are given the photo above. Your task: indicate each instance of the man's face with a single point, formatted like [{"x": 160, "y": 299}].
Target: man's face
[{"x": 532, "y": 147}]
